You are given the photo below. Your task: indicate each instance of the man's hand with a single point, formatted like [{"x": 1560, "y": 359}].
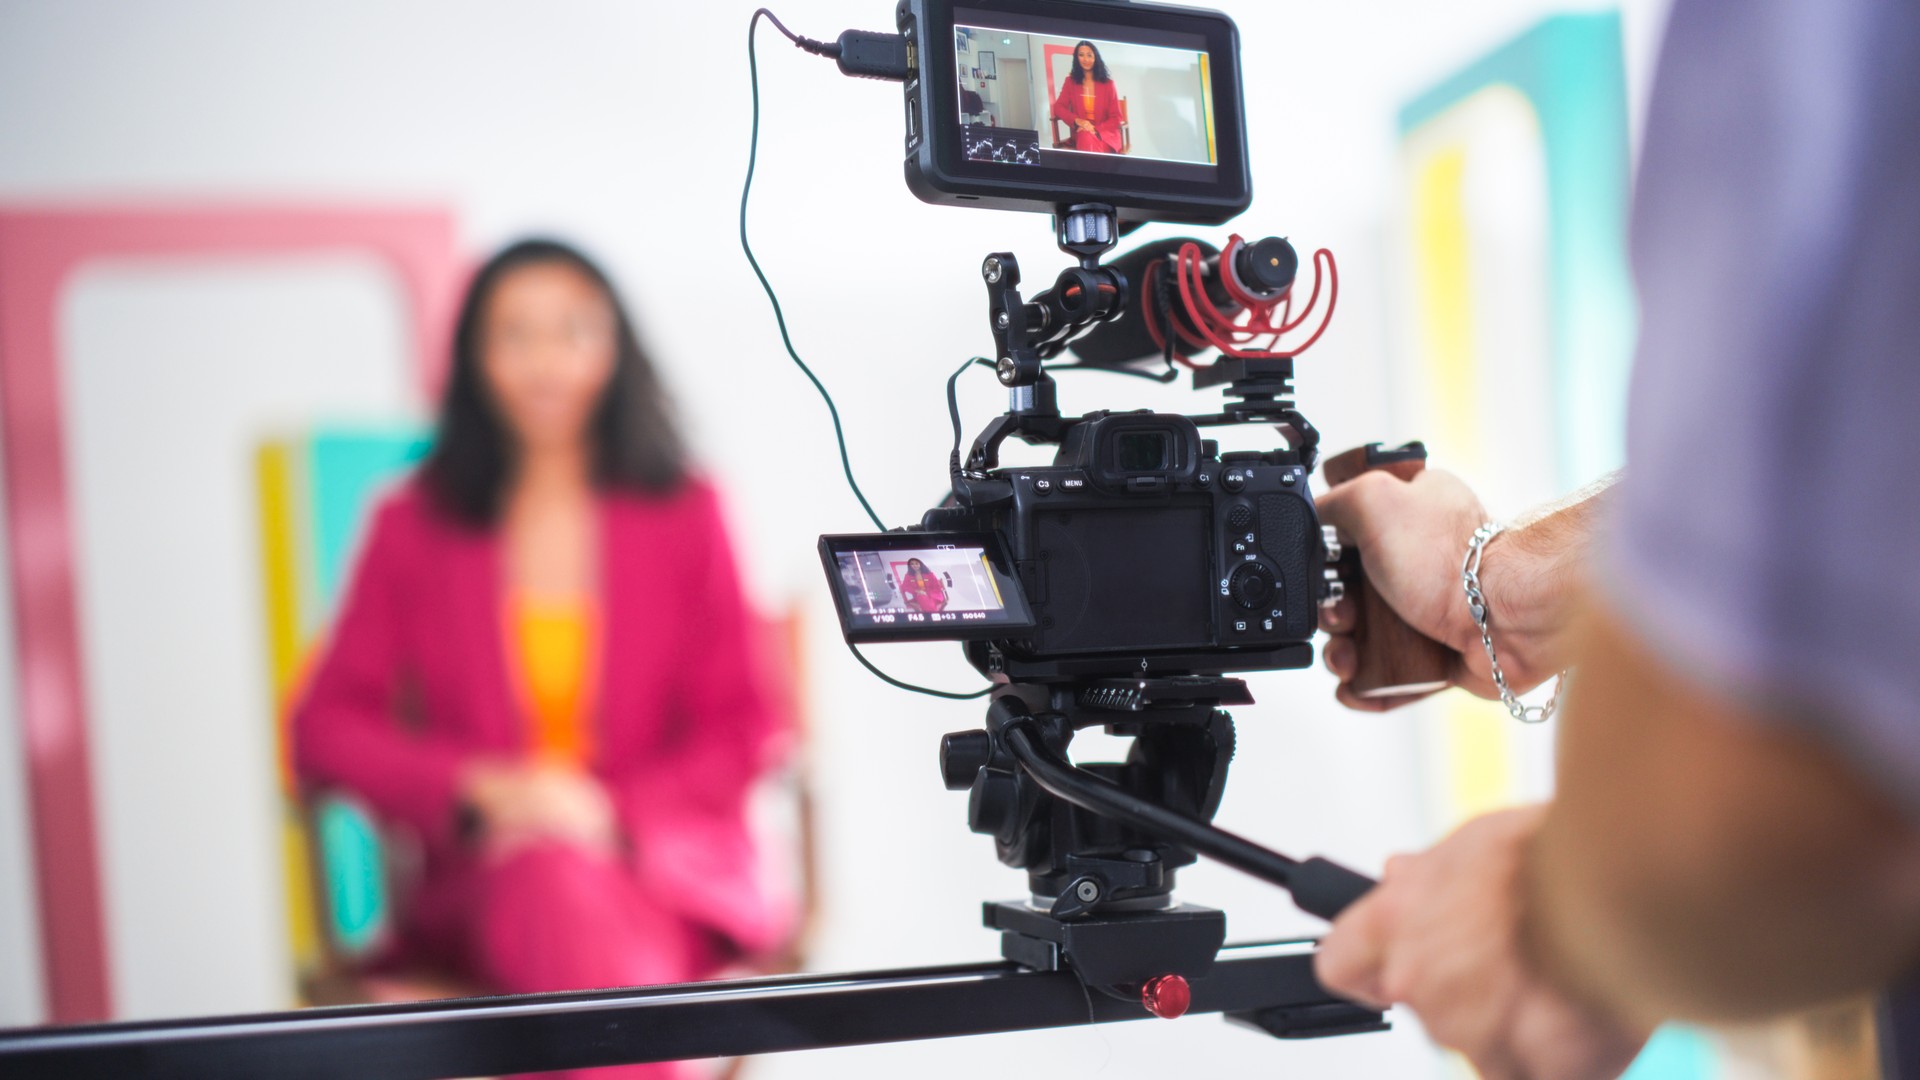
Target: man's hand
[
  {"x": 1411, "y": 536},
  {"x": 1443, "y": 934},
  {"x": 524, "y": 802}
]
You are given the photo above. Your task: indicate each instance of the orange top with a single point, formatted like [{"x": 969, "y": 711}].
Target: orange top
[
  {"x": 556, "y": 641},
  {"x": 1088, "y": 98}
]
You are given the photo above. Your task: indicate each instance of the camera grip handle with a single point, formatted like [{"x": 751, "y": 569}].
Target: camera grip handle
[
  {"x": 1326, "y": 888},
  {"x": 1394, "y": 659}
]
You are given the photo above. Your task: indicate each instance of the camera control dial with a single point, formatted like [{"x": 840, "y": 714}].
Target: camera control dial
[{"x": 1251, "y": 585}]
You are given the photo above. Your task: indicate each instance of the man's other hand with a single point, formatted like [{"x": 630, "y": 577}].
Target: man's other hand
[{"x": 1442, "y": 934}]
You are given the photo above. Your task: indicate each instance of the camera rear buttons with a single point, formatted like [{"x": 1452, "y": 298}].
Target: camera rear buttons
[
  {"x": 1072, "y": 485},
  {"x": 1251, "y": 585}
]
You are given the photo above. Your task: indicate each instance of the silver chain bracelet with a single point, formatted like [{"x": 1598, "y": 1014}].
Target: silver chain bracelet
[{"x": 1477, "y": 607}]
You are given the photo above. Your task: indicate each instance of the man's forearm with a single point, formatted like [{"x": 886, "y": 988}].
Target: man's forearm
[
  {"x": 1701, "y": 862},
  {"x": 1533, "y": 574}
]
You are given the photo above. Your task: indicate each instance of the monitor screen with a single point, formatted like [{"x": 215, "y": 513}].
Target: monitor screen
[
  {"x": 943, "y": 586},
  {"x": 1033, "y": 93}
]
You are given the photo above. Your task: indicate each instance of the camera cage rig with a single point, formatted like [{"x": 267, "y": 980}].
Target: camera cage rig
[
  {"x": 1259, "y": 387},
  {"x": 1102, "y": 843}
]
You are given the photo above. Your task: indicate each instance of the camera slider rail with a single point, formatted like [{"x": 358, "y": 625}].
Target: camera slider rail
[
  {"x": 1097, "y": 962},
  {"x": 1267, "y": 987}
]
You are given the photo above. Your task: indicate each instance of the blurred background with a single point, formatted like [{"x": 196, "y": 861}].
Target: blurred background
[{"x": 230, "y": 236}]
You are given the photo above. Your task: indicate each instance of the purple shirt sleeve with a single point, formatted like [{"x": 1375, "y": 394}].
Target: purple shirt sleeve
[{"x": 1767, "y": 539}]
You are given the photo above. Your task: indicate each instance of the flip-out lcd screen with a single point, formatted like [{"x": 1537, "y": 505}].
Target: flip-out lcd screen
[{"x": 914, "y": 586}]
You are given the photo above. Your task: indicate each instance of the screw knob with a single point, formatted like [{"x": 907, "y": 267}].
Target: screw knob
[
  {"x": 962, "y": 755},
  {"x": 1167, "y": 996}
]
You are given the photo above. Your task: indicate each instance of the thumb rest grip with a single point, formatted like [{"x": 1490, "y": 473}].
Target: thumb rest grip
[{"x": 1392, "y": 658}]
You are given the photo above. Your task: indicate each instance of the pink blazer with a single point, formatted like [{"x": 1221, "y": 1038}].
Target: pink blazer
[
  {"x": 417, "y": 682},
  {"x": 1070, "y": 105}
]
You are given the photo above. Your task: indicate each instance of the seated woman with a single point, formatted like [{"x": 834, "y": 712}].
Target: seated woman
[
  {"x": 923, "y": 589},
  {"x": 542, "y": 664},
  {"x": 1089, "y": 101}
]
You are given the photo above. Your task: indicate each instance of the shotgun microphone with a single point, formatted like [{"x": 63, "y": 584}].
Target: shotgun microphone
[{"x": 1264, "y": 269}]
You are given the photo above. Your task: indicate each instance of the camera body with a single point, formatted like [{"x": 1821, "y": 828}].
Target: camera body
[
  {"x": 1141, "y": 543},
  {"x": 1141, "y": 550}
]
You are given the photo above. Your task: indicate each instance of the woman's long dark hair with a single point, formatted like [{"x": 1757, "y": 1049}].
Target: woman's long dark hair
[
  {"x": 1099, "y": 66},
  {"x": 636, "y": 444}
]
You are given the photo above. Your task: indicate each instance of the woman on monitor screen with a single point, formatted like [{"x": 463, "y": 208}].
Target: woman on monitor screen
[
  {"x": 542, "y": 670},
  {"x": 1088, "y": 103},
  {"x": 923, "y": 588}
]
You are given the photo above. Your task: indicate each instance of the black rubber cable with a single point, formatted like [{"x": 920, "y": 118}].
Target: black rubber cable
[
  {"x": 839, "y": 432},
  {"x": 780, "y": 316}
]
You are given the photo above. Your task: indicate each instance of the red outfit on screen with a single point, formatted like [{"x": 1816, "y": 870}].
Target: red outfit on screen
[
  {"x": 1071, "y": 105},
  {"x": 421, "y": 679},
  {"x": 926, "y": 592}
]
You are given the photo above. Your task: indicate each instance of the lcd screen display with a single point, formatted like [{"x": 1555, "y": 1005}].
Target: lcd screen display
[
  {"x": 1088, "y": 102},
  {"x": 945, "y": 586}
]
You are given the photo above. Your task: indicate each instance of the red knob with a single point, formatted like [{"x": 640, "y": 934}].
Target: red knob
[{"x": 1167, "y": 996}]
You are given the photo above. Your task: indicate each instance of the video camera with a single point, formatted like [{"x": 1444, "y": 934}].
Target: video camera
[
  {"x": 1140, "y": 550},
  {"x": 1118, "y": 586}
]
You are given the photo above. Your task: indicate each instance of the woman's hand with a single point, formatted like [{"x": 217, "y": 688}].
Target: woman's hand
[
  {"x": 523, "y": 802},
  {"x": 1083, "y": 125}
]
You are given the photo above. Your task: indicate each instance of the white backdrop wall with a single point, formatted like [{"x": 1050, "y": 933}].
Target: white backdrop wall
[
  {"x": 223, "y": 354},
  {"x": 624, "y": 125}
]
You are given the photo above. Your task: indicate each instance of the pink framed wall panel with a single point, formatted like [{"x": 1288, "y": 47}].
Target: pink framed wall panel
[{"x": 39, "y": 251}]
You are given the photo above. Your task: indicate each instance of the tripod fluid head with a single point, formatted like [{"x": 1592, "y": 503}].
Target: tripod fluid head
[
  {"x": 1101, "y": 843},
  {"x": 1078, "y": 860}
]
